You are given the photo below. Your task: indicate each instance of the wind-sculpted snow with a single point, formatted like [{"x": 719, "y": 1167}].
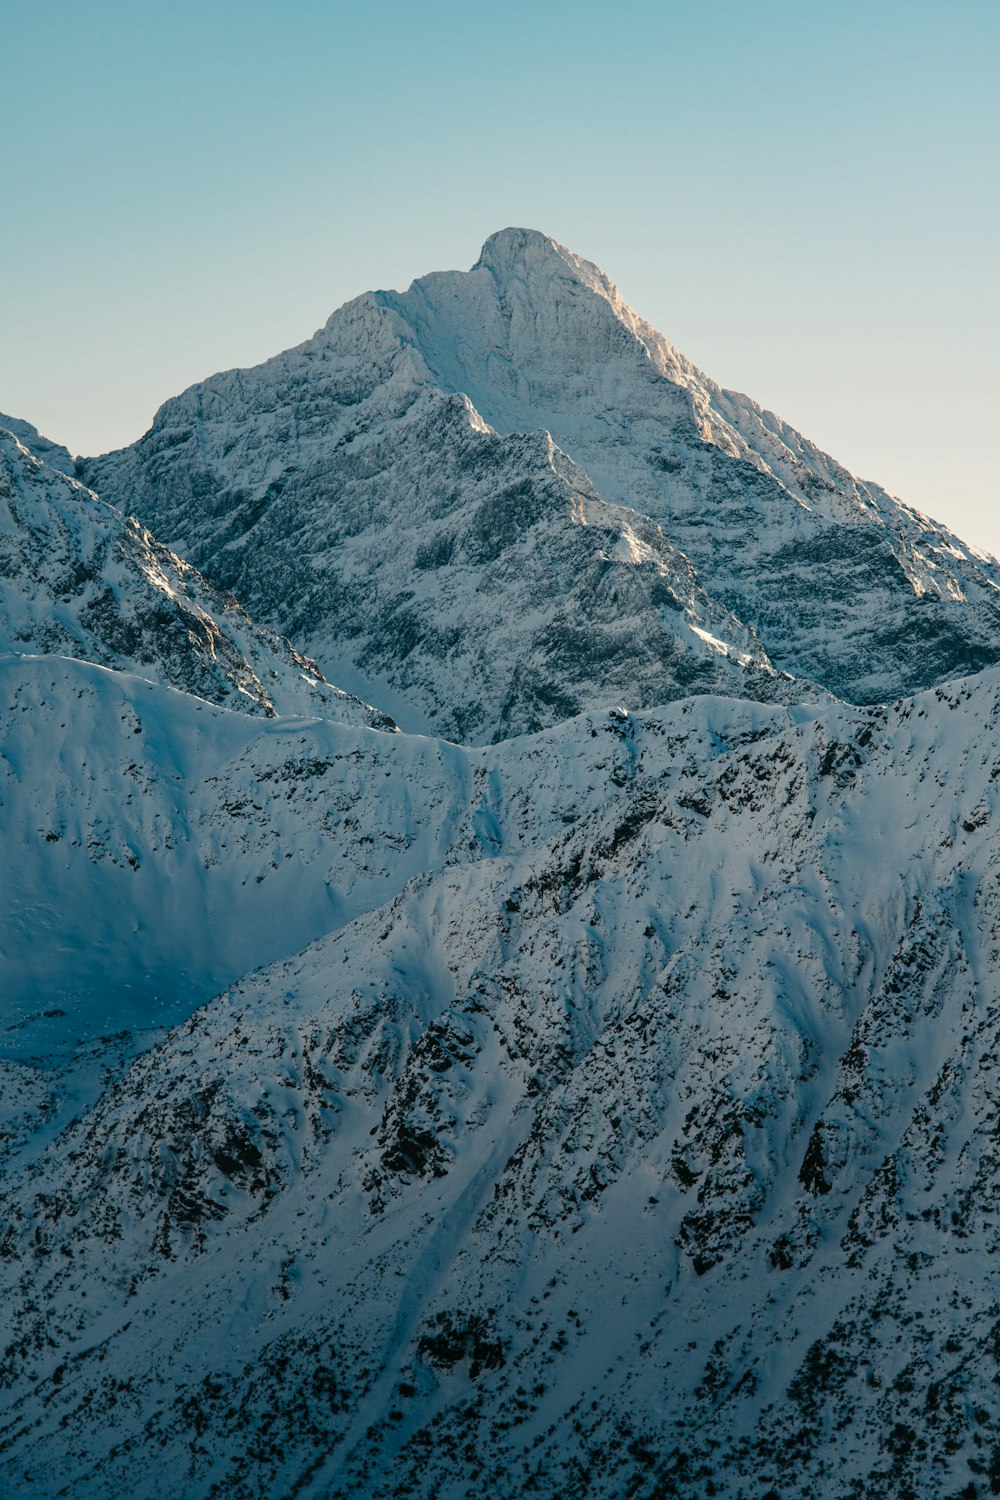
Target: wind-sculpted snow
[
  {"x": 635, "y": 1135},
  {"x": 365, "y": 451},
  {"x": 79, "y": 578}
]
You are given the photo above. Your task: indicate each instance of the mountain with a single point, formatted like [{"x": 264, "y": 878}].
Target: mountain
[
  {"x": 476, "y": 585},
  {"x": 606, "y": 1109},
  {"x": 512, "y": 455},
  {"x": 79, "y": 578},
  {"x": 641, "y": 1142}
]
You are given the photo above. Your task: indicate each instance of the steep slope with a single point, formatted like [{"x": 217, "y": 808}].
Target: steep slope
[
  {"x": 475, "y": 585},
  {"x": 164, "y": 846},
  {"x": 643, "y": 1144},
  {"x": 843, "y": 583},
  {"x": 350, "y": 441},
  {"x": 79, "y": 578},
  {"x": 53, "y": 454}
]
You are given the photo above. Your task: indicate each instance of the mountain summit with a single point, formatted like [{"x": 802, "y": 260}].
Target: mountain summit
[
  {"x": 531, "y": 255},
  {"x": 516, "y": 498}
]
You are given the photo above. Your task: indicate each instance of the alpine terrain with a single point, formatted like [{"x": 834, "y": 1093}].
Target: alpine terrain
[{"x": 590, "y": 1088}]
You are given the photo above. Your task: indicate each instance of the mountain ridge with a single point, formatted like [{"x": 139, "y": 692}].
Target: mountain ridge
[
  {"x": 842, "y": 587},
  {"x": 545, "y": 1149},
  {"x": 610, "y": 1108},
  {"x": 478, "y": 521},
  {"x": 79, "y": 578}
]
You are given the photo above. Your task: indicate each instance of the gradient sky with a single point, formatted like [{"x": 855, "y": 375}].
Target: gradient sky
[{"x": 802, "y": 196}]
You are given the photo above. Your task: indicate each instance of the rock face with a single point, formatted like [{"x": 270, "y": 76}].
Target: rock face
[
  {"x": 643, "y": 1142},
  {"x": 477, "y": 584},
  {"x": 377, "y": 493},
  {"x": 79, "y": 578}
]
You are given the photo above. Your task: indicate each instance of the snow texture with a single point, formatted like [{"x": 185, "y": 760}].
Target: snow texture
[{"x": 644, "y": 1137}]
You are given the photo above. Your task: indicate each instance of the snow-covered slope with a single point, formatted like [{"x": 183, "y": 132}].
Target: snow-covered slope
[
  {"x": 164, "y": 847},
  {"x": 475, "y": 585},
  {"x": 79, "y": 578},
  {"x": 636, "y": 1137},
  {"x": 366, "y": 447},
  {"x": 54, "y": 454}
]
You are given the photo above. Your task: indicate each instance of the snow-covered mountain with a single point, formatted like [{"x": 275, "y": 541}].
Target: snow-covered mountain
[
  {"x": 642, "y": 1142},
  {"x": 79, "y": 578},
  {"x": 607, "y": 1110},
  {"x": 476, "y": 584},
  {"x": 512, "y": 454}
]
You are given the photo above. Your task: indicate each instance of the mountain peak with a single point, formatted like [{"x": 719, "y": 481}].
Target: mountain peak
[
  {"x": 543, "y": 263},
  {"x": 510, "y": 248},
  {"x": 375, "y": 417}
]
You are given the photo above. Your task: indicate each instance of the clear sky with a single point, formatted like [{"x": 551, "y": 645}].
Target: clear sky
[{"x": 802, "y": 194}]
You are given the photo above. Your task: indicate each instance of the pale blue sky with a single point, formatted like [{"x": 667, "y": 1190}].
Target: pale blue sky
[{"x": 802, "y": 196}]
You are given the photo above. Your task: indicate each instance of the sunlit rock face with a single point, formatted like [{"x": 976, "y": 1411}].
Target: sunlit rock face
[{"x": 512, "y": 454}]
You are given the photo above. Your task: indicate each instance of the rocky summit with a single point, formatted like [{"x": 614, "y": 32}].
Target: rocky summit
[
  {"x": 588, "y": 1091},
  {"x": 559, "y": 481}
]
